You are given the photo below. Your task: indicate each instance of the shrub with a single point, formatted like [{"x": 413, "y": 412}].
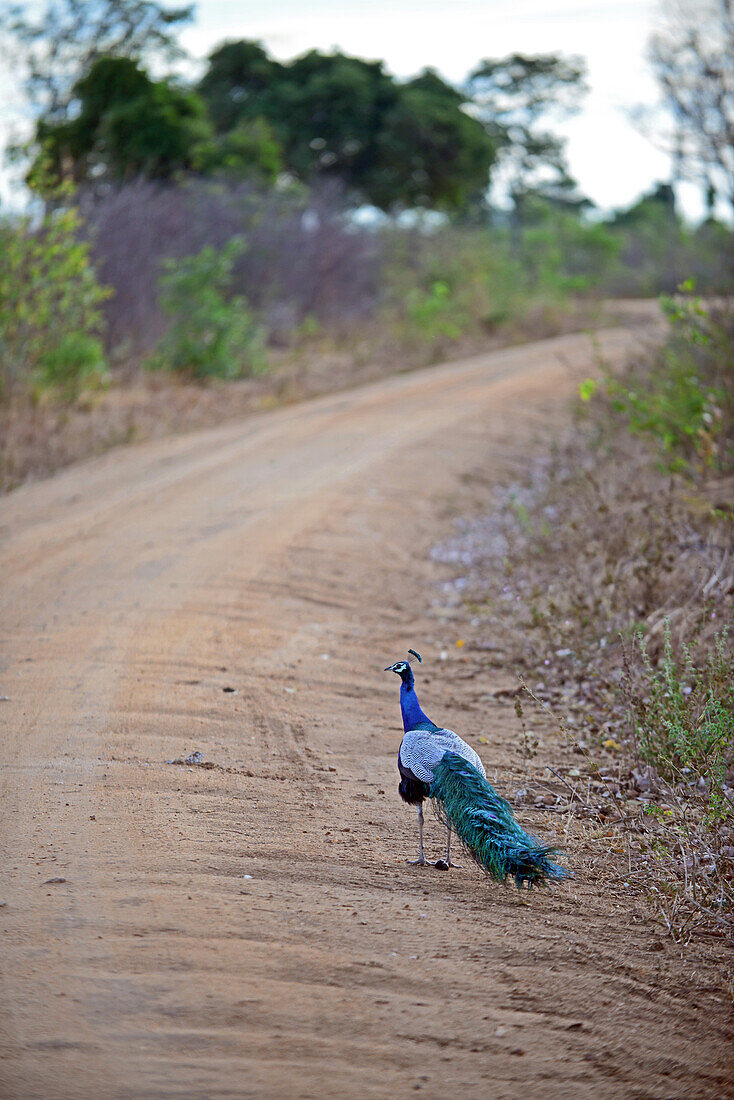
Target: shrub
[
  {"x": 210, "y": 336},
  {"x": 50, "y": 302},
  {"x": 683, "y": 715},
  {"x": 685, "y": 401},
  {"x": 433, "y": 313},
  {"x": 77, "y": 362},
  {"x": 562, "y": 254}
]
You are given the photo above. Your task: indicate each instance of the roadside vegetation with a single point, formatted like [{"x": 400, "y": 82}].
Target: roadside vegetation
[{"x": 606, "y": 579}]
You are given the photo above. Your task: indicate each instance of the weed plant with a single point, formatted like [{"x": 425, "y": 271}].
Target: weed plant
[{"x": 683, "y": 715}]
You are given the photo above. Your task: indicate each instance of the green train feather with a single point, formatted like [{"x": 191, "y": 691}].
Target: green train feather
[{"x": 486, "y": 826}]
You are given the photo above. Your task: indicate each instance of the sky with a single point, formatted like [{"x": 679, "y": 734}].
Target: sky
[{"x": 612, "y": 161}]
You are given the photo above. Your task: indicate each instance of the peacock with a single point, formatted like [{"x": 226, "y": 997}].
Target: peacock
[{"x": 436, "y": 763}]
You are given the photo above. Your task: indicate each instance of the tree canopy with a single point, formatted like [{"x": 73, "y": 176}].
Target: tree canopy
[
  {"x": 127, "y": 125},
  {"x": 517, "y": 98},
  {"x": 394, "y": 144}
]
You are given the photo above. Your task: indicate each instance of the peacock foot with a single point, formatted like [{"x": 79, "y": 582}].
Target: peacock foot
[
  {"x": 420, "y": 862},
  {"x": 444, "y": 864}
]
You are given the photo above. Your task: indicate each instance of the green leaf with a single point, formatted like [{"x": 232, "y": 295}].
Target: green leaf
[{"x": 587, "y": 389}]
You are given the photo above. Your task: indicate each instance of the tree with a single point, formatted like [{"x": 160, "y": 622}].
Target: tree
[
  {"x": 517, "y": 98},
  {"x": 127, "y": 125},
  {"x": 249, "y": 150},
  {"x": 430, "y": 152},
  {"x": 58, "y": 47},
  {"x": 693, "y": 59},
  {"x": 326, "y": 109},
  {"x": 237, "y": 83},
  {"x": 392, "y": 144},
  {"x": 658, "y": 206}
]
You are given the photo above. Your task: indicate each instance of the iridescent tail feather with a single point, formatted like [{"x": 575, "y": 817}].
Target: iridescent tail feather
[{"x": 486, "y": 826}]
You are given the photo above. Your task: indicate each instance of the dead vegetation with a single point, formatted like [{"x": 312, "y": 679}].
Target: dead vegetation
[
  {"x": 38, "y": 437},
  {"x": 606, "y": 580}
]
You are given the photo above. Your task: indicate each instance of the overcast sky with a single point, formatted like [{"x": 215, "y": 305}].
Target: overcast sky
[{"x": 612, "y": 161}]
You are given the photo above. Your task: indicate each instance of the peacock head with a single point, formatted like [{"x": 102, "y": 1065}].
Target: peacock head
[{"x": 403, "y": 669}]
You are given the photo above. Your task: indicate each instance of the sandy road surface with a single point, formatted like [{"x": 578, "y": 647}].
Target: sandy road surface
[{"x": 251, "y": 930}]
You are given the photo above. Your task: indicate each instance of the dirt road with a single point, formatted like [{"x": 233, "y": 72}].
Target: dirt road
[{"x": 251, "y": 930}]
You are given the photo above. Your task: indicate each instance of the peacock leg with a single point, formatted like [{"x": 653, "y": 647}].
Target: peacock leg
[
  {"x": 444, "y": 864},
  {"x": 421, "y": 860}
]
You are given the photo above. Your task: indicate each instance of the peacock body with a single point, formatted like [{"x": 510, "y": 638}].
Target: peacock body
[{"x": 434, "y": 762}]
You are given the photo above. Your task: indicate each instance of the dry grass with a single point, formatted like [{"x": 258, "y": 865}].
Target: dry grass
[
  {"x": 38, "y": 438},
  {"x": 596, "y": 546}
]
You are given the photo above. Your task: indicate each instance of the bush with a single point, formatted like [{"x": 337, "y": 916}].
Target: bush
[
  {"x": 442, "y": 285},
  {"x": 433, "y": 313},
  {"x": 210, "y": 336},
  {"x": 683, "y": 715},
  {"x": 561, "y": 253},
  {"x": 77, "y": 362},
  {"x": 50, "y": 299},
  {"x": 685, "y": 402}
]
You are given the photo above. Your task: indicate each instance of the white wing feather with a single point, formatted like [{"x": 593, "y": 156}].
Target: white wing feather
[{"x": 421, "y": 751}]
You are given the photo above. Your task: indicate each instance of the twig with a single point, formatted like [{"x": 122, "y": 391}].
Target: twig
[{"x": 565, "y": 784}]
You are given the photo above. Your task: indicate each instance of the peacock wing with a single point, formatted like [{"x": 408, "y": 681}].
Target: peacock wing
[
  {"x": 420, "y": 751},
  {"x": 451, "y": 742}
]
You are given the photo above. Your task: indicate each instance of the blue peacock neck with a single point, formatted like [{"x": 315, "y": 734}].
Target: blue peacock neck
[{"x": 413, "y": 716}]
